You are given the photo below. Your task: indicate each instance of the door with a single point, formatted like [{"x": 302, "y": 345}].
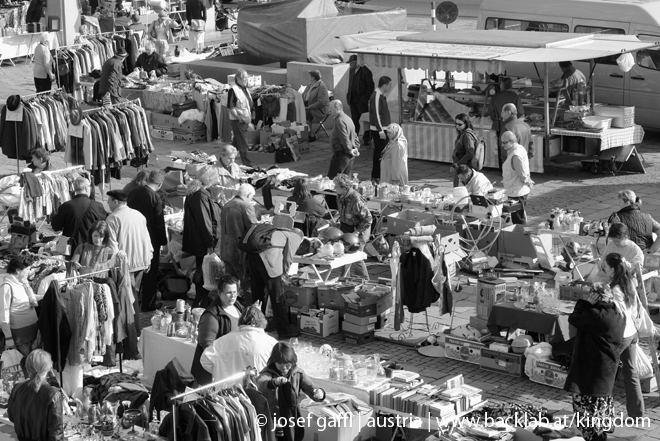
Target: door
[
  {"x": 608, "y": 78},
  {"x": 644, "y": 83}
]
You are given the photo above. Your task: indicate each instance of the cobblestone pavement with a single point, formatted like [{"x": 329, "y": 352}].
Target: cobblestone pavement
[{"x": 560, "y": 186}]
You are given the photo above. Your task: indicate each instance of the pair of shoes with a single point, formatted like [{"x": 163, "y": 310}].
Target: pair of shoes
[{"x": 152, "y": 308}]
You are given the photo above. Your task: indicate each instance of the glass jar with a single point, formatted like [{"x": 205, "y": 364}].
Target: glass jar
[{"x": 165, "y": 322}]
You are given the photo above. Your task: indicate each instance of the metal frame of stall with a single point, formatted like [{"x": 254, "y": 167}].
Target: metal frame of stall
[{"x": 476, "y": 48}]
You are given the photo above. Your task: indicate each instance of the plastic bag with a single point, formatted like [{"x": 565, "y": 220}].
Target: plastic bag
[
  {"x": 11, "y": 362},
  {"x": 643, "y": 364},
  {"x": 625, "y": 62},
  {"x": 212, "y": 267}
]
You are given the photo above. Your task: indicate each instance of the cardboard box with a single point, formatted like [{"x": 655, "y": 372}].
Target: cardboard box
[
  {"x": 190, "y": 136},
  {"x": 261, "y": 158},
  {"x": 165, "y": 162},
  {"x": 357, "y": 329},
  {"x": 508, "y": 364},
  {"x": 167, "y": 135},
  {"x": 358, "y": 339},
  {"x": 549, "y": 373},
  {"x": 351, "y": 428},
  {"x": 254, "y": 137},
  {"x": 462, "y": 349},
  {"x": 300, "y": 296},
  {"x": 322, "y": 326},
  {"x": 478, "y": 323},
  {"x": 360, "y": 321},
  {"x": 331, "y": 296},
  {"x": 399, "y": 223},
  {"x": 383, "y": 319},
  {"x": 575, "y": 291},
  {"x": 164, "y": 120},
  {"x": 490, "y": 291},
  {"x": 449, "y": 238}
]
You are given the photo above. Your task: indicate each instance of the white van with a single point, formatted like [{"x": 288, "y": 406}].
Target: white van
[{"x": 640, "y": 87}]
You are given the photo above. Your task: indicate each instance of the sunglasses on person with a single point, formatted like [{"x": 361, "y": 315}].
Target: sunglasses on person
[{"x": 460, "y": 124}]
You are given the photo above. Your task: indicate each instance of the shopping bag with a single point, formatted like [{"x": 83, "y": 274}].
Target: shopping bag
[
  {"x": 11, "y": 362},
  {"x": 212, "y": 268},
  {"x": 643, "y": 364},
  {"x": 63, "y": 245}
]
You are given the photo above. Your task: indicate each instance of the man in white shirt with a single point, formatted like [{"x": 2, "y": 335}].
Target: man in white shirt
[
  {"x": 234, "y": 352},
  {"x": 515, "y": 175}
]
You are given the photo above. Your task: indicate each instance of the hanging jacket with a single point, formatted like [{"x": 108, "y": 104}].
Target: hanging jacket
[
  {"x": 53, "y": 326},
  {"x": 260, "y": 404},
  {"x": 417, "y": 290},
  {"x": 169, "y": 381}
]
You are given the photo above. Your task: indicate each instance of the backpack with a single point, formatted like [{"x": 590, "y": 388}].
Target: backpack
[
  {"x": 477, "y": 161},
  {"x": 257, "y": 239}
]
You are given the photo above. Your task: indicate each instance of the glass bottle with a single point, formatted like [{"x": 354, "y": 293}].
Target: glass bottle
[{"x": 154, "y": 425}]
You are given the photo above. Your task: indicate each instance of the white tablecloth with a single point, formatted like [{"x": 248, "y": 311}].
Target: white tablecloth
[
  {"x": 158, "y": 349},
  {"x": 435, "y": 142},
  {"x": 21, "y": 45},
  {"x": 609, "y": 138}
]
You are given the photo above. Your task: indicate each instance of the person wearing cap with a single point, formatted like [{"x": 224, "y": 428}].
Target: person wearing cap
[
  {"x": 161, "y": 31},
  {"x": 151, "y": 61},
  {"x": 316, "y": 99},
  {"x": 196, "y": 16},
  {"x": 129, "y": 233},
  {"x": 136, "y": 25},
  {"x": 570, "y": 79},
  {"x": 360, "y": 88},
  {"x": 43, "y": 65},
  {"x": 111, "y": 77},
  {"x": 75, "y": 217}
]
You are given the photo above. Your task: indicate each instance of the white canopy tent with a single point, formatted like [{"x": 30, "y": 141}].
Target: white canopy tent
[{"x": 487, "y": 51}]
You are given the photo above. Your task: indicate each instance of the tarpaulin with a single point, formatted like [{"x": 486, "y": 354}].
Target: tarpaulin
[{"x": 306, "y": 30}]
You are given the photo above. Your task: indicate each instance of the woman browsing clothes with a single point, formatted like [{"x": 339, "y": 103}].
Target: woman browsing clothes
[
  {"x": 96, "y": 254},
  {"x": 465, "y": 144},
  {"x": 600, "y": 326}
]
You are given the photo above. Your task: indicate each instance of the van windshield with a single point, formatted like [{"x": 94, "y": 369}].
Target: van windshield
[{"x": 507, "y": 24}]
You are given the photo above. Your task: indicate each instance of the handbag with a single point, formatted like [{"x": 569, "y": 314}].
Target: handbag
[
  {"x": 63, "y": 245},
  {"x": 642, "y": 364}
]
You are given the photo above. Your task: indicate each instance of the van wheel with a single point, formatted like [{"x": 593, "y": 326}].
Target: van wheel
[{"x": 234, "y": 29}]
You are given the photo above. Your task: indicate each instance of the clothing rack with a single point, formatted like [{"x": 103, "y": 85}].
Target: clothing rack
[
  {"x": 63, "y": 170},
  {"x": 86, "y": 275},
  {"x": 234, "y": 377},
  {"x": 114, "y": 106},
  {"x": 47, "y": 92}
]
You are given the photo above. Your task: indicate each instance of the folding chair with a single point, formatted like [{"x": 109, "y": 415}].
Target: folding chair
[{"x": 321, "y": 126}]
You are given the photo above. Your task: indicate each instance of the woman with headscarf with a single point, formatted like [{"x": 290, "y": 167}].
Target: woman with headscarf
[
  {"x": 600, "y": 325},
  {"x": 641, "y": 226},
  {"x": 161, "y": 31},
  {"x": 465, "y": 144},
  {"x": 394, "y": 160},
  {"x": 43, "y": 65},
  {"x": 201, "y": 219}
]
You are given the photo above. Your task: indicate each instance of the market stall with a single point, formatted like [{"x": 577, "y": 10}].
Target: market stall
[
  {"x": 482, "y": 53},
  {"x": 22, "y": 44}
]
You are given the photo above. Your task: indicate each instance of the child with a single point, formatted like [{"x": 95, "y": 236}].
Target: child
[
  {"x": 280, "y": 382},
  {"x": 40, "y": 160}
]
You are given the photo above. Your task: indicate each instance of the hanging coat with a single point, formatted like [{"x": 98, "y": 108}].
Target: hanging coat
[{"x": 417, "y": 290}]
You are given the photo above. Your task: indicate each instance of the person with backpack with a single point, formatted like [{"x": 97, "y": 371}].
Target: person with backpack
[
  {"x": 515, "y": 175},
  {"x": 465, "y": 144}
]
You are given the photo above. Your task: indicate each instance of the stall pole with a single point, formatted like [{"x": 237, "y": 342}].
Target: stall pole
[
  {"x": 400, "y": 75},
  {"x": 546, "y": 95},
  {"x": 433, "y": 15},
  {"x": 592, "y": 86}
]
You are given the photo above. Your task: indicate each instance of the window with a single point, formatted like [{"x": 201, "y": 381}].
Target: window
[
  {"x": 649, "y": 58},
  {"x": 507, "y": 24},
  {"x": 598, "y": 30}
]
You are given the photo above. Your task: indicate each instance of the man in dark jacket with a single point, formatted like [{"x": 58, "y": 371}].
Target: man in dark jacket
[
  {"x": 379, "y": 119},
  {"x": 196, "y": 16},
  {"x": 150, "y": 60},
  {"x": 35, "y": 11},
  {"x": 512, "y": 123},
  {"x": 360, "y": 88},
  {"x": 75, "y": 217},
  {"x": 111, "y": 76},
  {"x": 146, "y": 200}
]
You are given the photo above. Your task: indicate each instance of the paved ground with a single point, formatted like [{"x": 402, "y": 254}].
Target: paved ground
[{"x": 565, "y": 186}]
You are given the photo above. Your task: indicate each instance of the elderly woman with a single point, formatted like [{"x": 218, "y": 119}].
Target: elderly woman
[
  {"x": 465, "y": 144},
  {"x": 600, "y": 326},
  {"x": 161, "y": 31},
  {"x": 621, "y": 280},
  {"x": 35, "y": 407},
  {"x": 201, "y": 220},
  {"x": 220, "y": 318},
  {"x": 394, "y": 159},
  {"x": 96, "y": 254},
  {"x": 151, "y": 61},
  {"x": 43, "y": 64},
  {"x": 618, "y": 241},
  {"x": 641, "y": 226},
  {"x": 354, "y": 216},
  {"x": 249, "y": 346},
  {"x": 230, "y": 175},
  {"x": 316, "y": 99},
  {"x": 18, "y": 317}
]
